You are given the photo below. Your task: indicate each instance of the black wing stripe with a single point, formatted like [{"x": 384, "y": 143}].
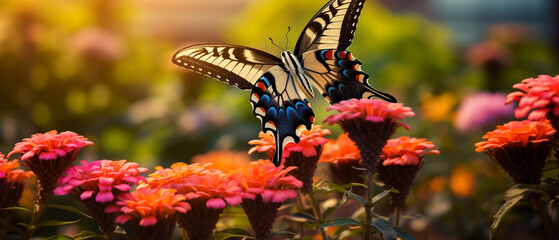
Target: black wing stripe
[{"x": 235, "y": 65}]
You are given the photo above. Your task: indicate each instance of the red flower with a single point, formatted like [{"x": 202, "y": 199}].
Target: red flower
[
  {"x": 96, "y": 185},
  {"x": 369, "y": 123},
  {"x": 400, "y": 161},
  {"x": 520, "y": 148},
  {"x": 537, "y": 96},
  {"x": 265, "y": 187},
  {"x": 153, "y": 213},
  {"x": 48, "y": 156},
  {"x": 12, "y": 183},
  {"x": 303, "y": 155}
]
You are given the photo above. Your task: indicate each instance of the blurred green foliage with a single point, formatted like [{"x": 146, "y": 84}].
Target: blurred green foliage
[{"x": 84, "y": 66}]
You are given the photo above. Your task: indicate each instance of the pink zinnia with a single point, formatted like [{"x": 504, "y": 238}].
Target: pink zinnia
[
  {"x": 265, "y": 188},
  {"x": 12, "y": 183},
  {"x": 369, "y": 123},
  {"x": 48, "y": 156},
  {"x": 482, "y": 110},
  {"x": 153, "y": 213},
  {"x": 537, "y": 98},
  {"x": 97, "y": 183},
  {"x": 303, "y": 155},
  {"x": 400, "y": 161}
]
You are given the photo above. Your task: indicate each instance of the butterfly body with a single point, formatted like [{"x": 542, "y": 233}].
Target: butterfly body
[{"x": 279, "y": 86}]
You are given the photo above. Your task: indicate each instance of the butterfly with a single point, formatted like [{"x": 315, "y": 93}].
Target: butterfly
[{"x": 279, "y": 86}]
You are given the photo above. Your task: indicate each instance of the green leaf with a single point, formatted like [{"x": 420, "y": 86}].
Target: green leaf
[
  {"x": 289, "y": 234},
  {"x": 385, "y": 228},
  {"x": 56, "y": 223},
  {"x": 17, "y": 208},
  {"x": 510, "y": 202},
  {"x": 69, "y": 209},
  {"x": 233, "y": 232},
  {"x": 381, "y": 195},
  {"x": 331, "y": 210},
  {"x": 301, "y": 217},
  {"x": 341, "y": 222},
  {"x": 404, "y": 235},
  {"x": 88, "y": 235}
]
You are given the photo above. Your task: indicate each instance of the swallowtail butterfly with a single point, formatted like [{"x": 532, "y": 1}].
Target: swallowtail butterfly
[{"x": 279, "y": 86}]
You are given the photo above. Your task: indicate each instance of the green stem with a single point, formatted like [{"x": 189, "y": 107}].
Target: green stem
[
  {"x": 302, "y": 207},
  {"x": 37, "y": 210},
  {"x": 318, "y": 215},
  {"x": 543, "y": 213},
  {"x": 184, "y": 234},
  {"x": 369, "y": 207}
]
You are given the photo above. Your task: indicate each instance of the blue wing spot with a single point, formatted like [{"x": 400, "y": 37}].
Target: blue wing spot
[
  {"x": 346, "y": 72},
  {"x": 265, "y": 98},
  {"x": 266, "y": 81},
  {"x": 340, "y": 62},
  {"x": 323, "y": 54}
]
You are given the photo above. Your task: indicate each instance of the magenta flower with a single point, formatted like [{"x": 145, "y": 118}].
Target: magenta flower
[
  {"x": 482, "y": 110},
  {"x": 48, "y": 156},
  {"x": 97, "y": 183}
]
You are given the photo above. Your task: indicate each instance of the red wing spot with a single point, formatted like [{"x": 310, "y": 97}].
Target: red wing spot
[
  {"x": 271, "y": 123},
  {"x": 261, "y": 85},
  {"x": 356, "y": 67},
  {"x": 263, "y": 110},
  {"x": 330, "y": 54},
  {"x": 312, "y": 119},
  {"x": 342, "y": 54},
  {"x": 255, "y": 95},
  {"x": 350, "y": 56}
]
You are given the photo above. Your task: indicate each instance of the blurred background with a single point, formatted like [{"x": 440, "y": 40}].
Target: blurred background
[{"x": 103, "y": 69}]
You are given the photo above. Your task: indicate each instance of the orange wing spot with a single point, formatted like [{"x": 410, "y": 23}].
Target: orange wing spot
[
  {"x": 312, "y": 119},
  {"x": 255, "y": 97},
  {"x": 271, "y": 123},
  {"x": 350, "y": 56},
  {"x": 261, "y": 85},
  {"x": 360, "y": 77},
  {"x": 263, "y": 110},
  {"x": 357, "y": 67},
  {"x": 309, "y": 105},
  {"x": 342, "y": 54},
  {"x": 330, "y": 54}
]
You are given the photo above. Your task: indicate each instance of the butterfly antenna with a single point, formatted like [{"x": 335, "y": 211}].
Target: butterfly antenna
[
  {"x": 271, "y": 40},
  {"x": 287, "y": 38}
]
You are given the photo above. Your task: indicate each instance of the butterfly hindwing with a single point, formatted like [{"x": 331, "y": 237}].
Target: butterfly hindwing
[
  {"x": 338, "y": 75},
  {"x": 236, "y": 65},
  {"x": 333, "y": 27},
  {"x": 278, "y": 103}
]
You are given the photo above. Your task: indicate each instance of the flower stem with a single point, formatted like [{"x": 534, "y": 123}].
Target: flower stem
[
  {"x": 317, "y": 214},
  {"x": 37, "y": 210},
  {"x": 369, "y": 207},
  {"x": 397, "y": 212},
  {"x": 543, "y": 213}
]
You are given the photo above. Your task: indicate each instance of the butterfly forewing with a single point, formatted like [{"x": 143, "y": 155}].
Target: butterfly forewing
[
  {"x": 235, "y": 65},
  {"x": 280, "y": 105},
  {"x": 333, "y": 27}
]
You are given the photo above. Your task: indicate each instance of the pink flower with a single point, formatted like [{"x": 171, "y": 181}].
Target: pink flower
[
  {"x": 48, "y": 156},
  {"x": 482, "y": 110},
  {"x": 153, "y": 213},
  {"x": 369, "y": 123},
  {"x": 537, "y": 97}
]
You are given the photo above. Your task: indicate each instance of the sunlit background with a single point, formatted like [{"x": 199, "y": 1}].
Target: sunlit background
[{"x": 103, "y": 69}]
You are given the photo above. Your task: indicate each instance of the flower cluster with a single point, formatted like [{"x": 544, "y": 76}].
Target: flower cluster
[
  {"x": 343, "y": 159},
  {"x": 225, "y": 161},
  {"x": 520, "y": 148},
  {"x": 369, "y": 123}
]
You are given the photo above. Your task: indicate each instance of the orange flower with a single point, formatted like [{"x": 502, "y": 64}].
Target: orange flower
[
  {"x": 369, "y": 123},
  {"x": 537, "y": 96},
  {"x": 48, "y": 156},
  {"x": 520, "y": 148},
  {"x": 207, "y": 190},
  {"x": 153, "y": 213},
  {"x": 303, "y": 155},
  {"x": 343, "y": 157},
  {"x": 226, "y": 161},
  {"x": 400, "y": 161},
  {"x": 342, "y": 149},
  {"x": 406, "y": 151},
  {"x": 266, "y": 187},
  {"x": 307, "y": 144},
  {"x": 12, "y": 183},
  {"x": 462, "y": 182}
]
